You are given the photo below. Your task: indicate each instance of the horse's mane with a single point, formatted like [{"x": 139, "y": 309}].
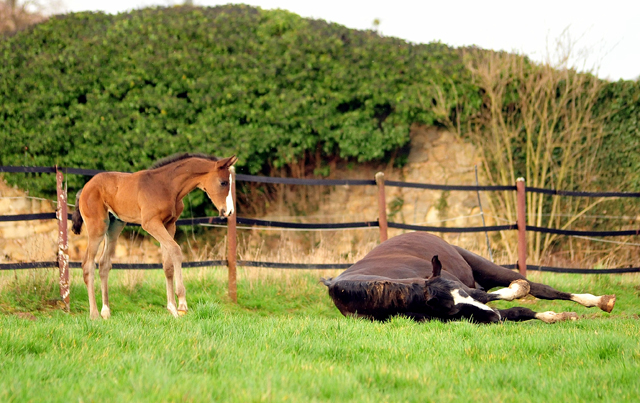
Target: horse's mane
[
  {"x": 376, "y": 294},
  {"x": 179, "y": 157}
]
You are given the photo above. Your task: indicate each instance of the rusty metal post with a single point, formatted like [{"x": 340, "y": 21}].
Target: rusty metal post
[
  {"x": 63, "y": 241},
  {"x": 232, "y": 242},
  {"x": 382, "y": 207},
  {"x": 522, "y": 226}
]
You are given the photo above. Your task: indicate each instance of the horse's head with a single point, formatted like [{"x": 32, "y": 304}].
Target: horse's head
[{"x": 218, "y": 185}]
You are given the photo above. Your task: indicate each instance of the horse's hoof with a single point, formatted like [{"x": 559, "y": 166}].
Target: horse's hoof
[
  {"x": 105, "y": 313},
  {"x": 181, "y": 313},
  {"x": 94, "y": 315},
  {"x": 607, "y": 302}
]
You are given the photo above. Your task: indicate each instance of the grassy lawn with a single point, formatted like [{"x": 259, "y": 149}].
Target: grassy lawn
[{"x": 285, "y": 341}]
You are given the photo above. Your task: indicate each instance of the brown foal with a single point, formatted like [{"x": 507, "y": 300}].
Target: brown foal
[{"x": 153, "y": 199}]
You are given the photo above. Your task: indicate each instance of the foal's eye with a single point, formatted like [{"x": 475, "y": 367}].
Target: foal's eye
[{"x": 224, "y": 183}]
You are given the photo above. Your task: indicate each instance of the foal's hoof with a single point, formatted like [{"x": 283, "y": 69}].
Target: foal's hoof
[
  {"x": 173, "y": 311},
  {"x": 607, "y": 302},
  {"x": 181, "y": 313}
]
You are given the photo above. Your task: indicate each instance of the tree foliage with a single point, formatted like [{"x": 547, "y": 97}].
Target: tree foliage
[
  {"x": 620, "y": 152},
  {"x": 118, "y": 92}
]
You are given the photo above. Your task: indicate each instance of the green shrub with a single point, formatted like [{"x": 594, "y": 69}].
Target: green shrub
[
  {"x": 620, "y": 152},
  {"x": 118, "y": 92}
]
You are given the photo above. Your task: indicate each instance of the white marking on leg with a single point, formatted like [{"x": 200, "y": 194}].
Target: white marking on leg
[
  {"x": 517, "y": 289},
  {"x": 459, "y": 299},
  {"x": 173, "y": 310},
  {"x": 105, "y": 312},
  {"x": 229, "y": 199},
  {"x": 587, "y": 300},
  {"x": 552, "y": 317}
]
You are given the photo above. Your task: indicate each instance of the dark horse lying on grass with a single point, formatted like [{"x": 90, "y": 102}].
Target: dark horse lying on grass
[{"x": 421, "y": 276}]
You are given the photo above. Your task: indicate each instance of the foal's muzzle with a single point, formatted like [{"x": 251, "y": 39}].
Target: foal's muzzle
[{"x": 226, "y": 212}]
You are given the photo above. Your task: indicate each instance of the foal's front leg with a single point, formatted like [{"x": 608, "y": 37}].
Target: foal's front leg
[
  {"x": 167, "y": 266},
  {"x": 181, "y": 292},
  {"x": 172, "y": 263}
]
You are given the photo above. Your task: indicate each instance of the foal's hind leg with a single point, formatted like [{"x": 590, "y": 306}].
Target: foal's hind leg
[
  {"x": 110, "y": 240},
  {"x": 490, "y": 275},
  {"x": 95, "y": 232}
]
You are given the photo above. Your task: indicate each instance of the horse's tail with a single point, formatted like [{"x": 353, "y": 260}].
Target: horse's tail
[{"x": 76, "y": 218}]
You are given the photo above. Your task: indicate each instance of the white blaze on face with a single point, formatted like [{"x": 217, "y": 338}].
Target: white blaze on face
[
  {"x": 229, "y": 199},
  {"x": 459, "y": 299}
]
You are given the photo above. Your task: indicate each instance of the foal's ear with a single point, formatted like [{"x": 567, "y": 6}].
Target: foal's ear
[
  {"x": 226, "y": 163},
  {"x": 437, "y": 266}
]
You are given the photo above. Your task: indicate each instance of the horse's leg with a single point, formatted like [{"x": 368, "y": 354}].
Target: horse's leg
[
  {"x": 490, "y": 275},
  {"x": 518, "y": 314},
  {"x": 110, "y": 240},
  {"x": 171, "y": 253},
  {"x": 517, "y": 289}
]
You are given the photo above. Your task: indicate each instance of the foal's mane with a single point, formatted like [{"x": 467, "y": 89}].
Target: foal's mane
[{"x": 179, "y": 157}]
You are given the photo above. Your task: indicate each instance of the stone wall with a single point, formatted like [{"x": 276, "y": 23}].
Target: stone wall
[
  {"x": 24, "y": 241},
  {"x": 436, "y": 156}
]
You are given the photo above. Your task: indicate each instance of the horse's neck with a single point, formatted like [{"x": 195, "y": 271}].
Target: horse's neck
[{"x": 186, "y": 175}]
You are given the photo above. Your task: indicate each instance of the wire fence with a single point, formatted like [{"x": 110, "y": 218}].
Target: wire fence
[{"x": 284, "y": 225}]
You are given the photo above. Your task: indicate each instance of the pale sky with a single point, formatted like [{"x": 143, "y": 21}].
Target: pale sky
[{"x": 607, "y": 31}]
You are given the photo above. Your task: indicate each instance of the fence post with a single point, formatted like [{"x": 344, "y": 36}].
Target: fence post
[
  {"x": 63, "y": 241},
  {"x": 522, "y": 226},
  {"x": 382, "y": 207},
  {"x": 232, "y": 243}
]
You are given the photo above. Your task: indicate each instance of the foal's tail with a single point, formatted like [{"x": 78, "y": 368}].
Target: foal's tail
[{"x": 76, "y": 218}]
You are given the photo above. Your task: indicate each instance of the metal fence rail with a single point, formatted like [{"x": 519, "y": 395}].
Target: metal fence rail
[{"x": 62, "y": 216}]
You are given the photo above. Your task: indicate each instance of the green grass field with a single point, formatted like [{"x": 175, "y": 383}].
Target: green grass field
[{"x": 285, "y": 341}]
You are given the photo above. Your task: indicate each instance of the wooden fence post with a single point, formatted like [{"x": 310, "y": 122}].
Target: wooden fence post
[
  {"x": 63, "y": 241},
  {"x": 522, "y": 226},
  {"x": 382, "y": 207},
  {"x": 232, "y": 242}
]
